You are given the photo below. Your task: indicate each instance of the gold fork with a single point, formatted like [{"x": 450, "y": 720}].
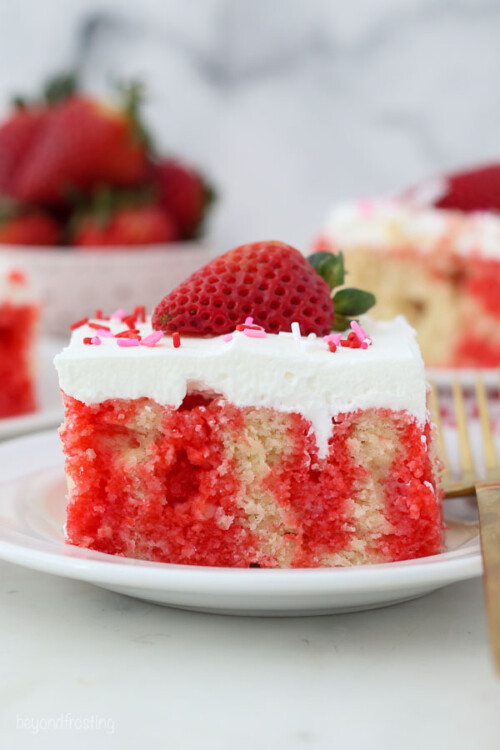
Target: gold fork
[{"x": 487, "y": 493}]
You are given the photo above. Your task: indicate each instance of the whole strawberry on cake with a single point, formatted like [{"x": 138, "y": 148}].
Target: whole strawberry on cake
[
  {"x": 254, "y": 421},
  {"x": 431, "y": 253}
]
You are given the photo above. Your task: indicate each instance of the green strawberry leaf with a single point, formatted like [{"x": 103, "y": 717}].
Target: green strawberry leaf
[
  {"x": 60, "y": 87},
  {"x": 341, "y": 323},
  {"x": 133, "y": 95},
  {"x": 329, "y": 266},
  {"x": 352, "y": 302}
]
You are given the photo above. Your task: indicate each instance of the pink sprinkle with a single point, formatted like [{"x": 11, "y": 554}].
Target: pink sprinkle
[
  {"x": 227, "y": 337},
  {"x": 364, "y": 345},
  {"x": 119, "y": 314},
  {"x": 95, "y": 340},
  {"x": 358, "y": 330},
  {"x": 333, "y": 337},
  {"x": 365, "y": 206},
  {"x": 255, "y": 333},
  {"x": 152, "y": 339},
  {"x": 128, "y": 342},
  {"x": 248, "y": 321},
  {"x": 362, "y": 336},
  {"x": 104, "y": 333}
]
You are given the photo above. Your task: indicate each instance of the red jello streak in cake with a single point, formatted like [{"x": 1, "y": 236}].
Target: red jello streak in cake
[
  {"x": 484, "y": 285},
  {"x": 17, "y": 327},
  {"x": 476, "y": 351},
  {"x": 411, "y": 504},
  {"x": 166, "y": 503},
  {"x": 105, "y": 516}
]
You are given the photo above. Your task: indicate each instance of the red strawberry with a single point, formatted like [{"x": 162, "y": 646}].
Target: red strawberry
[
  {"x": 184, "y": 194},
  {"x": 17, "y": 136},
  {"x": 270, "y": 281},
  {"x": 129, "y": 225},
  {"x": 82, "y": 144},
  {"x": 473, "y": 190},
  {"x": 34, "y": 228}
]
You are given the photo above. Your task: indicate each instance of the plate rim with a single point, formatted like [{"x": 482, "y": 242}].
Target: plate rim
[
  {"x": 77, "y": 563},
  {"x": 241, "y": 581}
]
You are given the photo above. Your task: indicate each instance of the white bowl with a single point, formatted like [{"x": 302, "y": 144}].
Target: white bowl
[{"x": 74, "y": 283}]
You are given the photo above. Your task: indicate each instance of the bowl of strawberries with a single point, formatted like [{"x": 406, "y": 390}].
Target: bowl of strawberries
[{"x": 90, "y": 209}]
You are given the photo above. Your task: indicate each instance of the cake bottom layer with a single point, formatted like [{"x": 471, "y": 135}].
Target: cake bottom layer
[
  {"x": 212, "y": 484},
  {"x": 17, "y": 333},
  {"x": 452, "y": 301}
]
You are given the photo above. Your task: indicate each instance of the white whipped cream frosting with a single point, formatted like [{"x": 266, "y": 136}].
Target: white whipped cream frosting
[
  {"x": 287, "y": 373},
  {"x": 384, "y": 224}
]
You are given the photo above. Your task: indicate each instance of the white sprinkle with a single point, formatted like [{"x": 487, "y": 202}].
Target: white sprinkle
[{"x": 296, "y": 332}]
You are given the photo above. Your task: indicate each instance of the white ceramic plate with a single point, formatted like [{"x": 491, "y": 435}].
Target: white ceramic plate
[
  {"x": 32, "y": 489},
  {"x": 50, "y": 411}
]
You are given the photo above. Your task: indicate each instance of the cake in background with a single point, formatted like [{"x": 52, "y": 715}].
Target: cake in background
[
  {"x": 19, "y": 312},
  {"x": 236, "y": 429},
  {"x": 433, "y": 255}
]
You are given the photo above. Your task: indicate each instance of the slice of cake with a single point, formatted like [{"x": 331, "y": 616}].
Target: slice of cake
[
  {"x": 249, "y": 448},
  {"x": 433, "y": 257},
  {"x": 18, "y": 324}
]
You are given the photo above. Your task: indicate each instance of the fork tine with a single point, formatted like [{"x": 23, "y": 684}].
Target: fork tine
[
  {"x": 436, "y": 418},
  {"x": 490, "y": 454},
  {"x": 466, "y": 461}
]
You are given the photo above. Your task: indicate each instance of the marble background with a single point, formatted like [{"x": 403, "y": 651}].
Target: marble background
[{"x": 286, "y": 104}]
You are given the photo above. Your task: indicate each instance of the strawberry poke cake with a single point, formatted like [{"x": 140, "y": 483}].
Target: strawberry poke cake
[
  {"x": 433, "y": 255},
  {"x": 236, "y": 428},
  {"x": 19, "y": 314}
]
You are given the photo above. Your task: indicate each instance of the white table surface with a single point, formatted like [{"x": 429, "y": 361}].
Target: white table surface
[{"x": 412, "y": 676}]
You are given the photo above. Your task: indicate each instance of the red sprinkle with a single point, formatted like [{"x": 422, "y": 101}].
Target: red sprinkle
[
  {"x": 78, "y": 324},
  {"x": 99, "y": 327},
  {"x": 332, "y": 346},
  {"x": 128, "y": 333},
  {"x": 176, "y": 338},
  {"x": 244, "y": 326},
  {"x": 345, "y": 342},
  {"x": 352, "y": 336},
  {"x": 98, "y": 315},
  {"x": 130, "y": 321},
  {"x": 140, "y": 313},
  {"x": 17, "y": 277},
  {"x": 87, "y": 340}
]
